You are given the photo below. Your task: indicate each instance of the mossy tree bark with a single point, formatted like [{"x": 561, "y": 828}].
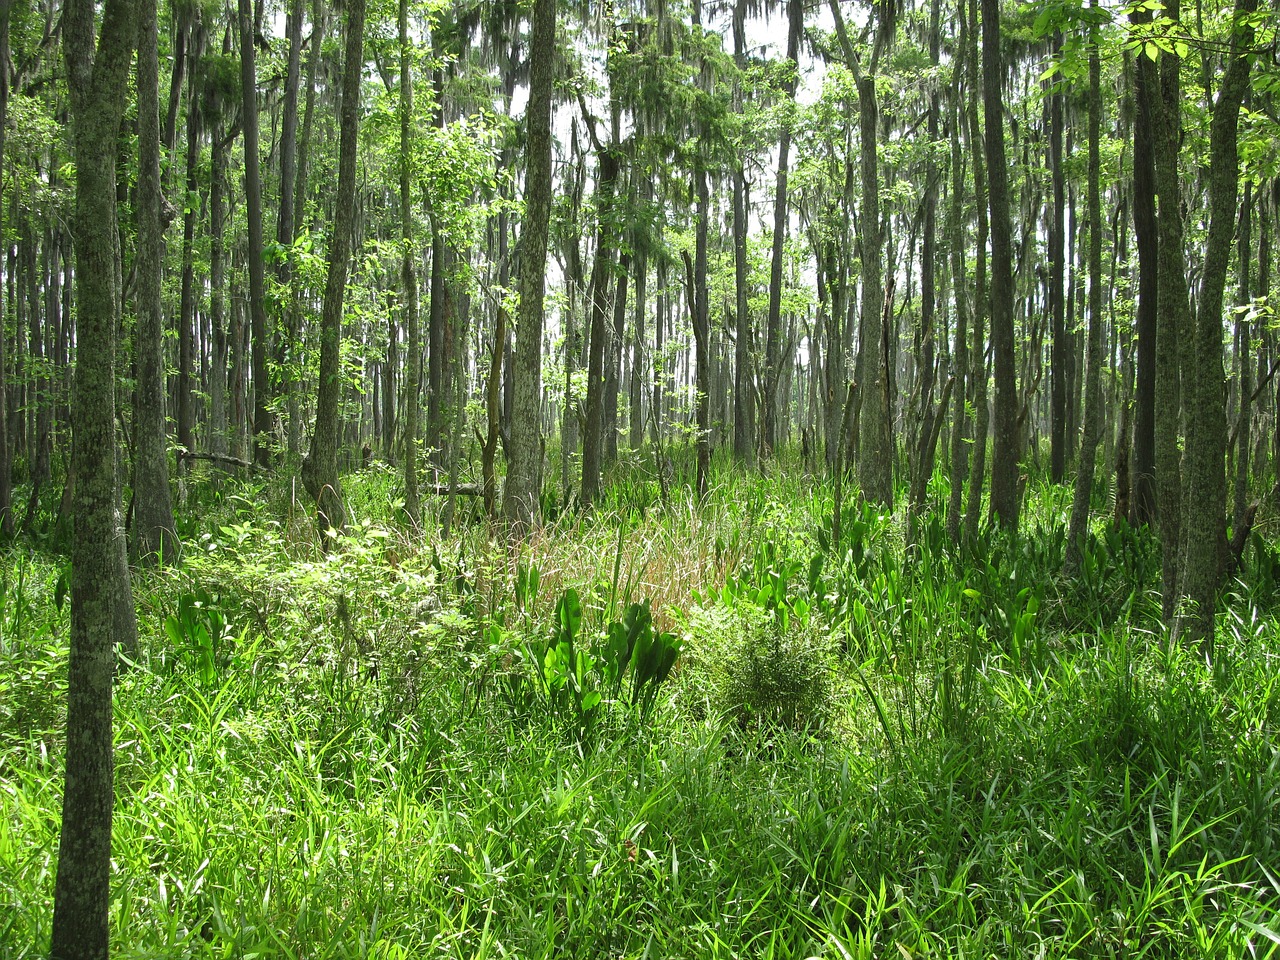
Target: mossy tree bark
[
  {"x": 1204, "y": 529},
  {"x": 101, "y": 600},
  {"x": 520, "y": 495}
]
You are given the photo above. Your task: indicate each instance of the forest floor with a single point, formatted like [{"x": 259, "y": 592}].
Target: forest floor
[{"x": 414, "y": 747}]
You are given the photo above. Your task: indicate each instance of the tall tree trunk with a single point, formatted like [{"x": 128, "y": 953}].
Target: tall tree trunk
[
  {"x": 1057, "y": 291},
  {"x": 702, "y": 333},
  {"x": 1004, "y": 455},
  {"x": 218, "y": 388},
  {"x": 101, "y": 598},
  {"x": 773, "y": 324},
  {"x": 875, "y": 450},
  {"x": 1079, "y": 524},
  {"x": 187, "y": 304},
  {"x": 320, "y": 468},
  {"x": 979, "y": 366},
  {"x": 1146, "y": 231},
  {"x": 1204, "y": 476},
  {"x": 408, "y": 277},
  {"x": 294, "y": 312},
  {"x": 744, "y": 414},
  {"x": 960, "y": 284},
  {"x": 286, "y": 215},
  {"x": 521, "y": 493},
  {"x": 926, "y": 437},
  {"x": 253, "y": 211},
  {"x": 154, "y": 531},
  {"x": 6, "y": 476}
]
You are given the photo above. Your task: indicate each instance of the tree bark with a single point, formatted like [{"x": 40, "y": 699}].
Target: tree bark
[
  {"x": 409, "y": 279},
  {"x": 1057, "y": 291},
  {"x": 1079, "y": 524},
  {"x": 521, "y": 493},
  {"x": 6, "y": 475},
  {"x": 154, "y": 531},
  {"x": 320, "y": 468},
  {"x": 253, "y": 212},
  {"x": 606, "y": 179},
  {"x": 1146, "y": 231},
  {"x": 1005, "y": 453},
  {"x": 773, "y": 323},
  {"x": 1204, "y": 521},
  {"x": 875, "y": 450},
  {"x": 101, "y": 599}
]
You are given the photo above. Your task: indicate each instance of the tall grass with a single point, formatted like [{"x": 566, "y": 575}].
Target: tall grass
[{"x": 1009, "y": 764}]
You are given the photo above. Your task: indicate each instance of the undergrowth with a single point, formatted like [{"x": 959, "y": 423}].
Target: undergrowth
[{"x": 401, "y": 746}]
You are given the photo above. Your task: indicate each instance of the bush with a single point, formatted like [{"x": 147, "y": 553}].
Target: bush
[{"x": 757, "y": 669}]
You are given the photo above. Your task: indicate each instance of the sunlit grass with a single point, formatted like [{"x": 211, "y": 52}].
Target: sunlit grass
[{"x": 1014, "y": 765}]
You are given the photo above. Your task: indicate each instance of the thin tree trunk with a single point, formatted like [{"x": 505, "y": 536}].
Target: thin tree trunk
[
  {"x": 1057, "y": 292},
  {"x": 1146, "y": 231},
  {"x": 253, "y": 210},
  {"x": 409, "y": 281},
  {"x": 1079, "y": 524},
  {"x": 1005, "y": 454}
]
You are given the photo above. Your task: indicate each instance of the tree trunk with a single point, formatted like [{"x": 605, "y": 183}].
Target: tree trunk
[
  {"x": 1244, "y": 365},
  {"x": 320, "y": 468},
  {"x": 1146, "y": 231},
  {"x": 286, "y": 217},
  {"x": 521, "y": 492},
  {"x": 875, "y": 452},
  {"x": 979, "y": 367},
  {"x": 101, "y": 599},
  {"x": 606, "y": 180},
  {"x": 960, "y": 284},
  {"x": 773, "y": 324},
  {"x": 1004, "y": 455},
  {"x": 253, "y": 211},
  {"x": 1057, "y": 292},
  {"x": 744, "y": 414},
  {"x": 1079, "y": 524},
  {"x": 6, "y": 476},
  {"x": 409, "y": 279},
  {"x": 187, "y": 304},
  {"x": 1204, "y": 476},
  {"x": 154, "y": 531},
  {"x": 613, "y": 378}
]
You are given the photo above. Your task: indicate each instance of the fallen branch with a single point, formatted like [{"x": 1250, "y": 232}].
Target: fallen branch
[
  {"x": 216, "y": 458},
  {"x": 461, "y": 490}
]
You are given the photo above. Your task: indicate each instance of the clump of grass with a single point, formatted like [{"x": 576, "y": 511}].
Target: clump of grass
[{"x": 745, "y": 664}]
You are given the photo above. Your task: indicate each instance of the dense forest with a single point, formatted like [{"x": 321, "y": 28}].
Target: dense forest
[{"x": 726, "y": 478}]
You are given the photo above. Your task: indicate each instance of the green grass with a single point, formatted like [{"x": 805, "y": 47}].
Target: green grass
[{"x": 1007, "y": 764}]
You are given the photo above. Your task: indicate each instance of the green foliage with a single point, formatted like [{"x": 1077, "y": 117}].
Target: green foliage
[
  {"x": 758, "y": 669},
  {"x": 571, "y": 677},
  {"x": 197, "y": 629},
  {"x": 1010, "y": 764}
]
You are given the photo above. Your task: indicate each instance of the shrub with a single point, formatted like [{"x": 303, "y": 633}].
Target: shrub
[{"x": 758, "y": 670}]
